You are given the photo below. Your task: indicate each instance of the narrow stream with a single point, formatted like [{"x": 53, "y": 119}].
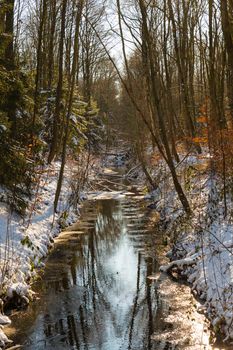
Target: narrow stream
[{"x": 95, "y": 293}]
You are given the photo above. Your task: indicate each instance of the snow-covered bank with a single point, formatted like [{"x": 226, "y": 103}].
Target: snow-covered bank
[
  {"x": 25, "y": 242},
  {"x": 203, "y": 243},
  {"x": 204, "y": 257}
]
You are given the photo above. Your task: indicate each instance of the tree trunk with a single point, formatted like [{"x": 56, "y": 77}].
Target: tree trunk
[
  {"x": 43, "y": 8},
  {"x": 70, "y": 102},
  {"x": 51, "y": 43},
  {"x": 56, "y": 117},
  {"x": 227, "y": 27},
  {"x": 9, "y": 30},
  {"x": 157, "y": 105}
]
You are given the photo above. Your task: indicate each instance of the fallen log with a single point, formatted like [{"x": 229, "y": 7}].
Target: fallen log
[{"x": 191, "y": 260}]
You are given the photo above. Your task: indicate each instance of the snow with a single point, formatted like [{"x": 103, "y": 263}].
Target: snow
[
  {"x": 203, "y": 252},
  {"x": 73, "y": 118},
  {"x": 189, "y": 261},
  {"x": 3, "y": 339},
  {"x": 24, "y": 242},
  {"x": 106, "y": 195},
  {"x": 4, "y": 320},
  {"x": 3, "y": 128}
]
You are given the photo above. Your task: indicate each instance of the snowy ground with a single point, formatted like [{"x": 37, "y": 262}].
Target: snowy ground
[
  {"x": 25, "y": 242},
  {"x": 203, "y": 252}
]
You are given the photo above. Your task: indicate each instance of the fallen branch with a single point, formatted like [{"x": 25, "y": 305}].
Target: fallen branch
[
  {"x": 132, "y": 169},
  {"x": 189, "y": 261}
]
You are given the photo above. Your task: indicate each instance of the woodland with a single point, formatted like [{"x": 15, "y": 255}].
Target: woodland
[
  {"x": 80, "y": 79},
  {"x": 173, "y": 84}
]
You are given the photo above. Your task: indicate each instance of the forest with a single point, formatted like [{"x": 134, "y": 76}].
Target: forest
[{"x": 116, "y": 136}]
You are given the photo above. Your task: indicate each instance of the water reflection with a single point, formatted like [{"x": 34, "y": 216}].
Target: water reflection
[{"x": 95, "y": 291}]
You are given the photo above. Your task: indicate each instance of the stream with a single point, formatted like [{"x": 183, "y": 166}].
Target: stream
[{"x": 95, "y": 293}]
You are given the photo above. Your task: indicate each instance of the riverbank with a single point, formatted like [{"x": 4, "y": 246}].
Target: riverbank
[
  {"x": 25, "y": 242},
  {"x": 178, "y": 313},
  {"x": 191, "y": 248},
  {"x": 202, "y": 244},
  {"x": 105, "y": 291},
  {"x": 91, "y": 298}
]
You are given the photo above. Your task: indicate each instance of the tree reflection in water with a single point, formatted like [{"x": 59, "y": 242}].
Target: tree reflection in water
[{"x": 98, "y": 297}]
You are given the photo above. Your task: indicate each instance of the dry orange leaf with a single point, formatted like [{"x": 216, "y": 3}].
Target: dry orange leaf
[
  {"x": 202, "y": 119},
  {"x": 200, "y": 139}
]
